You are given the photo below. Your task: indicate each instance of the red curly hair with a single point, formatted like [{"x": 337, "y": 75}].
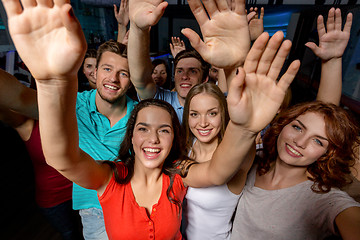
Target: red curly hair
[{"x": 333, "y": 168}]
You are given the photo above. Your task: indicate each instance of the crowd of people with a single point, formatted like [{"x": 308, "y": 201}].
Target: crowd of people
[{"x": 182, "y": 162}]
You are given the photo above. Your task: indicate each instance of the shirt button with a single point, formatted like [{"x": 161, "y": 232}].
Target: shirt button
[
  {"x": 151, "y": 236},
  {"x": 151, "y": 230},
  {"x": 154, "y": 209},
  {"x": 150, "y": 223}
]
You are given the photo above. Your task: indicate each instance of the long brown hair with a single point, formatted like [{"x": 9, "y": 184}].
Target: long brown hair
[
  {"x": 214, "y": 91},
  {"x": 333, "y": 168}
]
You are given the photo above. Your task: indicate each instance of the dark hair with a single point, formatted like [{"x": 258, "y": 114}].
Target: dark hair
[
  {"x": 157, "y": 62},
  {"x": 193, "y": 54},
  {"x": 111, "y": 46},
  {"x": 333, "y": 168},
  {"x": 214, "y": 91},
  {"x": 90, "y": 53},
  {"x": 172, "y": 161}
]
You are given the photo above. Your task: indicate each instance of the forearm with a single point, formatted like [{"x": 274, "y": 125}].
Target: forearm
[
  {"x": 331, "y": 81},
  {"x": 121, "y": 32},
  {"x": 139, "y": 62},
  {"x": 58, "y": 126},
  {"x": 237, "y": 144},
  {"x": 222, "y": 81},
  {"x": 17, "y": 97}
]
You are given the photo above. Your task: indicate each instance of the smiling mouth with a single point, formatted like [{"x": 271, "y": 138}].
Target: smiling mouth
[
  {"x": 204, "y": 132},
  {"x": 293, "y": 151},
  {"x": 185, "y": 85},
  {"x": 111, "y": 87},
  {"x": 151, "y": 152}
]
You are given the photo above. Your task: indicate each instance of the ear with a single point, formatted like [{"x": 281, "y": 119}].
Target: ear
[
  {"x": 95, "y": 73},
  {"x": 206, "y": 79}
]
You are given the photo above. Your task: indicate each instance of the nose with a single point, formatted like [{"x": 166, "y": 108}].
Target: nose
[
  {"x": 185, "y": 75},
  {"x": 300, "y": 141},
  {"x": 114, "y": 77},
  {"x": 203, "y": 121},
  {"x": 154, "y": 137}
]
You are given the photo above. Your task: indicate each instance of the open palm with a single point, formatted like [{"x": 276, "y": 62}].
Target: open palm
[
  {"x": 226, "y": 39},
  {"x": 49, "y": 39}
]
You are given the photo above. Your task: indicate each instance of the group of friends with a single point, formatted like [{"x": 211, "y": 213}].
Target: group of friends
[{"x": 183, "y": 163}]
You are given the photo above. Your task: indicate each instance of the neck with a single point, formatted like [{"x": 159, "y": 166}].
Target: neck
[
  {"x": 181, "y": 100},
  {"x": 146, "y": 176},
  {"x": 204, "y": 150},
  {"x": 113, "y": 111},
  {"x": 282, "y": 175}
]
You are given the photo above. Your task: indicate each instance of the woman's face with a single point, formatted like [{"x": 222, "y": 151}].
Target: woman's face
[
  {"x": 205, "y": 117},
  {"x": 89, "y": 71},
  {"x": 159, "y": 74},
  {"x": 303, "y": 141},
  {"x": 152, "y": 137}
]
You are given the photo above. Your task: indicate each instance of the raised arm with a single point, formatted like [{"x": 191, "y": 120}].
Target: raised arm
[
  {"x": 17, "y": 97},
  {"x": 253, "y": 100},
  {"x": 143, "y": 15},
  {"x": 38, "y": 32},
  {"x": 332, "y": 44},
  {"x": 122, "y": 18}
]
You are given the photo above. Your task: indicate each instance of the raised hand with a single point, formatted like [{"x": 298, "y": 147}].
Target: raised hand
[
  {"x": 226, "y": 39},
  {"x": 256, "y": 23},
  {"x": 122, "y": 16},
  {"x": 254, "y": 95},
  {"x": 176, "y": 46},
  {"x": 332, "y": 40},
  {"x": 146, "y": 13},
  {"x": 47, "y": 36}
]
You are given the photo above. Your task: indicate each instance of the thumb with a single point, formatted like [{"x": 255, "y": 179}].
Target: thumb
[
  {"x": 236, "y": 87},
  {"x": 195, "y": 41},
  {"x": 313, "y": 47},
  {"x": 158, "y": 12}
]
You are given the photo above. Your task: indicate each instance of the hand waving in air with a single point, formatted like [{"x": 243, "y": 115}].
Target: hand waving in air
[
  {"x": 176, "y": 46},
  {"x": 256, "y": 23},
  {"x": 146, "y": 13},
  {"x": 47, "y": 36},
  {"x": 226, "y": 39},
  {"x": 255, "y": 95},
  {"x": 122, "y": 16},
  {"x": 332, "y": 40}
]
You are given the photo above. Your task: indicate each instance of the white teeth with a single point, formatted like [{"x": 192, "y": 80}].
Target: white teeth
[
  {"x": 293, "y": 151},
  {"x": 204, "y": 131},
  {"x": 111, "y": 87},
  {"x": 153, "y": 150},
  {"x": 185, "y": 85}
]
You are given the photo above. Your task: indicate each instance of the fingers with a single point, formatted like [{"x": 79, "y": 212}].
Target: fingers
[
  {"x": 348, "y": 23},
  {"x": 240, "y": 7},
  {"x": 289, "y": 75},
  {"x": 330, "y": 26},
  {"x": 222, "y": 5},
  {"x": 321, "y": 26},
  {"x": 338, "y": 20},
  {"x": 47, "y": 3},
  {"x": 28, "y": 3},
  {"x": 12, "y": 7},
  {"x": 210, "y": 7},
  {"x": 198, "y": 11},
  {"x": 279, "y": 60},
  {"x": 251, "y": 16},
  {"x": 115, "y": 10},
  {"x": 254, "y": 55},
  {"x": 158, "y": 12},
  {"x": 269, "y": 54},
  {"x": 262, "y": 13},
  {"x": 72, "y": 25}
]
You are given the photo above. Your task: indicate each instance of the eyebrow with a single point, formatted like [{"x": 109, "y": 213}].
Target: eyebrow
[
  {"x": 191, "y": 68},
  {"x": 211, "y": 109},
  {"x": 302, "y": 125},
  {"x": 147, "y": 125}
]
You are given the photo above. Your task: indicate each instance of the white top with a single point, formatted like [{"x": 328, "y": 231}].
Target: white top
[
  {"x": 290, "y": 213},
  {"x": 209, "y": 212}
]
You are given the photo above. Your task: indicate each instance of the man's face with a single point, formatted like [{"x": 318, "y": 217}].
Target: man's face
[
  {"x": 188, "y": 73},
  {"x": 112, "y": 77}
]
